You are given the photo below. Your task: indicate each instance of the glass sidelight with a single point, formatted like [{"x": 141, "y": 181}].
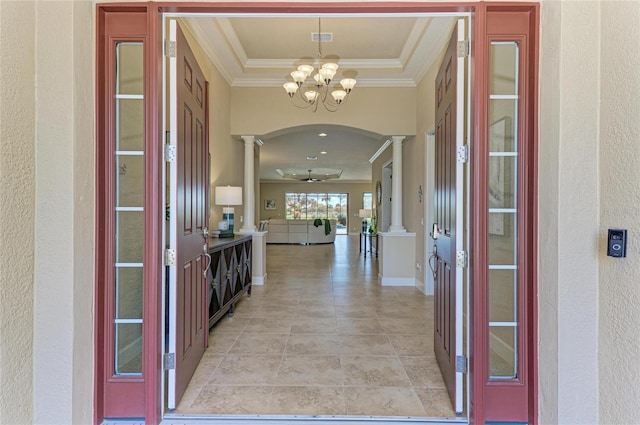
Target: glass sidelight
[
  {"x": 503, "y": 288},
  {"x": 129, "y": 208}
]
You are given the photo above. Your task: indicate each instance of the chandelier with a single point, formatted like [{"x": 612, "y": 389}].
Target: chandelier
[{"x": 316, "y": 91}]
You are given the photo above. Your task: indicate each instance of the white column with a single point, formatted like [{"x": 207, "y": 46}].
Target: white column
[
  {"x": 249, "y": 223},
  {"x": 396, "y": 187}
]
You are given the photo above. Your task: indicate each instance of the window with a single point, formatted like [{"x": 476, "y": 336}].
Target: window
[
  {"x": 309, "y": 206},
  {"x": 367, "y": 201}
]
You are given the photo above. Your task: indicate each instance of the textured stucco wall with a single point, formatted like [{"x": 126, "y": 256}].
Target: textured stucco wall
[
  {"x": 548, "y": 212},
  {"x": 17, "y": 215},
  {"x": 47, "y": 212},
  {"x": 569, "y": 213},
  {"x": 83, "y": 210},
  {"x": 63, "y": 300},
  {"x": 619, "y": 327},
  {"x": 572, "y": 219}
]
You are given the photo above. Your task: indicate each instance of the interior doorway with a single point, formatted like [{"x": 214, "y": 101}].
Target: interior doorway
[{"x": 386, "y": 221}]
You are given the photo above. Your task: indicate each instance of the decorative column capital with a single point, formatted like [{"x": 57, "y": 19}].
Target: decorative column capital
[
  {"x": 398, "y": 139},
  {"x": 249, "y": 140}
]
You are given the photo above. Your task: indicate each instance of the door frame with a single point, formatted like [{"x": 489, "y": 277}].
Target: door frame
[{"x": 482, "y": 14}]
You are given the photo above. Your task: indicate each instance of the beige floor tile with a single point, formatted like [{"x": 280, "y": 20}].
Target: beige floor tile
[
  {"x": 423, "y": 371},
  {"x": 269, "y": 325},
  {"x": 394, "y": 326},
  {"x": 314, "y": 326},
  {"x": 310, "y": 370},
  {"x": 276, "y": 310},
  {"x": 337, "y": 335},
  {"x": 356, "y": 312},
  {"x": 359, "y": 327},
  {"x": 372, "y": 345},
  {"x": 313, "y": 344},
  {"x": 226, "y": 400},
  {"x": 220, "y": 343},
  {"x": 203, "y": 373},
  {"x": 374, "y": 371},
  {"x": 259, "y": 343},
  {"x": 228, "y": 324},
  {"x": 436, "y": 402},
  {"x": 321, "y": 311},
  {"x": 412, "y": 345},
  {"x": 307, "y": 401},
  {"x": 246, "y": 370},
  {"x": 386, "y": 401}
]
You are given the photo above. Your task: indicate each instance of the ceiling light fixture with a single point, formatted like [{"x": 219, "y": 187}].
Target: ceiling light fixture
[{"x": 318, "y": 91}]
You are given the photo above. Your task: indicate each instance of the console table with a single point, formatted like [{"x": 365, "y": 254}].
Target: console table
[
  {"x": 230, "y": 274},
  {"x": 363, "y": 241}
]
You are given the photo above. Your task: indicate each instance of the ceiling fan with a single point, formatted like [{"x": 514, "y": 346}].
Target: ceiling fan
[{"x": 310, "y": 179}]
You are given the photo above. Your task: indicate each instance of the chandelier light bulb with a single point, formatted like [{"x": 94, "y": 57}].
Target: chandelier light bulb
[
  {"x": 311, "y": 96},
  {"x": 327, "y": 74},
  {"x": 307, "y": 69},
  {"x": 298, "y": 77},
  {"x": 319, "y": 80},
  {"x": 291, "y": 88},
  {"x": 347, "y": 84},
  {"x": 331, "y": 65},
  {"x": 339, "y": 95}
]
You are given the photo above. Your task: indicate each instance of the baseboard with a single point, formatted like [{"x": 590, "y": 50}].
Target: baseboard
[
  {"x": 422, "y": 287},
  {"x": 397, "y": 281},
  {"x": 259, "y": 280}
]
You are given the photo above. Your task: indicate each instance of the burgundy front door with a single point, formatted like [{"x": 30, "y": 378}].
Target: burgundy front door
[
  {"x": 189, "y": 191},
  {"x": 447, "y": 237}
]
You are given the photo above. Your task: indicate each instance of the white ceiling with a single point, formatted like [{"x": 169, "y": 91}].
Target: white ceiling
[{"x": 379, "y": 51}]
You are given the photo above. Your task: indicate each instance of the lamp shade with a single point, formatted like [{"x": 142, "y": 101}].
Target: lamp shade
[
  {"x": 228, "y": 195},
  {"x": 364, "y": 213}
]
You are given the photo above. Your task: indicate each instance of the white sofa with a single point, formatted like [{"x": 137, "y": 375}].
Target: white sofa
[{"x": 299, "y": 232}]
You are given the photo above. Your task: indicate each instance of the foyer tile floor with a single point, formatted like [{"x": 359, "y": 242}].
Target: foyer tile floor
[{"x": 322, "y": 337}]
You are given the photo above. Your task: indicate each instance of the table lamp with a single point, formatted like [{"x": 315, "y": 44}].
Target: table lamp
[
  {"x": 227, "y": 195},
  {"x": 364, "y": 214}
]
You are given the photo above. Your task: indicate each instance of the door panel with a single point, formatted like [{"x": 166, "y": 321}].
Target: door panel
[
  {"x": 188, "y": 288},
  {"x": 448, "y": 194}
]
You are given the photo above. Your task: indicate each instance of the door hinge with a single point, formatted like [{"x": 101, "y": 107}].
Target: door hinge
[
  {"x": 169, "y": 257},
  {"x": 461, "y": 259},
  {"x": 170, "y": 153},
  {"x": 169, "y": 361},
  {"x": 461, "y": 364},
  {"x": 463, "y": 154},
  {"x": 170, "y": 48},
  {"x": 463, "y": 48}
]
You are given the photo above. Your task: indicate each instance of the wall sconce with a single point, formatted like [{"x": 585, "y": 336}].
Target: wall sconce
[{"x": 227, "y": 195}]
